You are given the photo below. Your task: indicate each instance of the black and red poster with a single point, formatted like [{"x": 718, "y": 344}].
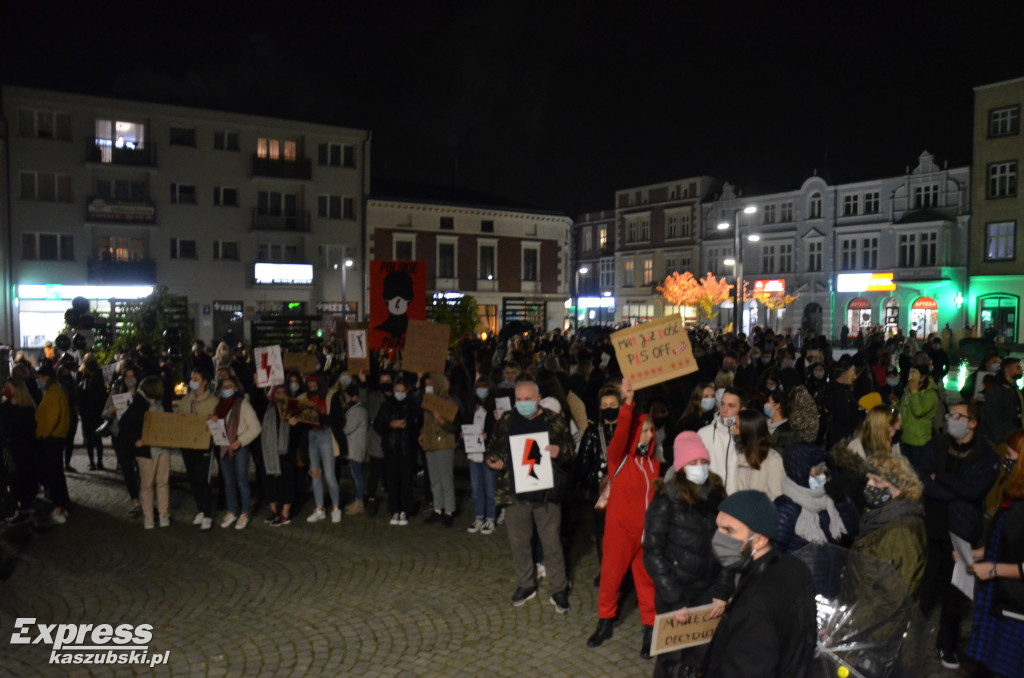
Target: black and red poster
[{"x": 398, "y": 291}]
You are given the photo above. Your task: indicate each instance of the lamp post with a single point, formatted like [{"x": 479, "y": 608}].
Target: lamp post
[
  {"x": 738, "y": 253},
  {"x": 344, "y": 287},
  {"x": 576, "y": 301}
]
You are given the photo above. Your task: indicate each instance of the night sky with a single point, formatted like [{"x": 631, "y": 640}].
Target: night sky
[{"x": 555, "y": 104}]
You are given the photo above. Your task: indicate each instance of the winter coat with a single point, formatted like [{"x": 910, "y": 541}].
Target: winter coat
[
  {"x": 717, "y": 438},
  {"x": 917, "y": 408},
  {"x": 995, "y": 495},
  {"x": 804, "y": 417},
  {"x": 955, "y": 498},
  {"x": 372, "y": 399},
  {"x": 439, "y": 435},
  {"x": 633, "y": 485},
  {"x": 1002, "y": 410},
  {"x": 92, "y": 394},
  {"x": 769, "y": 627},
  {"x": 356, "y": 426},
  {"x": 592, "y": 461},
  {"x": 843, "y": 413},
  {"x": 901, "y": 542},
  {"x": 677, "y": 544},
  {"x": 498, "y": 450},
  {"x": 398, "y": 441},
  {"x": 130, "y": 426},
  {"x": 767, "y": 479},
  {"x": 19, "y": 427},
  {"x": 798, "y": 461},
  {"x": 53, "y": 416}
]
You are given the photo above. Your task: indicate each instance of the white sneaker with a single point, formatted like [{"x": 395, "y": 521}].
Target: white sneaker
[
  {"x": 200, "y": 517},
  {"x": 316, "y": 516},
  {"x": 147, "y": 523},
  {"x": 487, "y": 528},
  {"x": 59, "y": 518},
  {"x": 165, "y": 521},
  {"x": 207, "y": 524},
  {"x": 394, "y": 519},
  {"x": 501, "y": 517},
  {"x": 403, "y": 520},
  {"x": 228, "y": 519},
  {"x": 243, "y": 520},
  {"x": 541, "y": 571},
  {"x": 336, "y": 515},
  {"x": 476, "y": 526}
]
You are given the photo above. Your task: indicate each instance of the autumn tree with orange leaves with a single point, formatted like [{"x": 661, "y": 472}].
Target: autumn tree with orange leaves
[{"x": 682, "y": 289}]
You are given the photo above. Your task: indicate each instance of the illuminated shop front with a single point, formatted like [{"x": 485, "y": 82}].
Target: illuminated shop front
[
  {"x": 40, "y": 308},
  {"x": 867, "y": 300}
]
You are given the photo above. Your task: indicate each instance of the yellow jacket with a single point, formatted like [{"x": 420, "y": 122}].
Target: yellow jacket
[{"x": 53, "y": 416}]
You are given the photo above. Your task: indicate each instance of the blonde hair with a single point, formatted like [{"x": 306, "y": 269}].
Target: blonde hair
[
  {"x": 874, "y": 430},
  {"x": 22, "y": 398}
]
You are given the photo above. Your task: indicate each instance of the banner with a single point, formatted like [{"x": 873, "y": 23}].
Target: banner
[
  {"x": 531, "y": 462},
  {"x": 269, "y": 368},
  {"x": 303, "y": 363},
  {"x": 169, "y": 429},
  {"x": 426, "y": 347},
  {"x": 670, "y": 635},
  {"x": 654, "y": 351},
  {"x": 398, "y": 292},
  {"x": 303, "y": 410}
]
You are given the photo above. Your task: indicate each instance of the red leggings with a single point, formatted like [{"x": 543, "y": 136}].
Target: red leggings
[{"x": 622, "y": 551}]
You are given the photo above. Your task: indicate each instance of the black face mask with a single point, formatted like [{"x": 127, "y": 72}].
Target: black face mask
[
  {"x": 875, "y": 497},
  {"x": 610, "y": 414},
  {"x": 896, "y": 436},
  {"x": 659, "y": 422},
  {"x": 1009, "y": 465}
]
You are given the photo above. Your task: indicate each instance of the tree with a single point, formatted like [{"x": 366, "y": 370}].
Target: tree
[
  {"x": 680, "y": 289},
  {"x": 461, "y": 315},
  {"x": 159, "y": 320},
  {"x": 775, "y": 301},
  {"x": 713, "y": 291}
]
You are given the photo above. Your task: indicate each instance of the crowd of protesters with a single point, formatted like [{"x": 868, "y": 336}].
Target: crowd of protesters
[{"x": 698, "y": 488}]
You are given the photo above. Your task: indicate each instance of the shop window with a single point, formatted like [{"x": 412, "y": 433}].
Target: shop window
[{"x": 997, "y": 316}]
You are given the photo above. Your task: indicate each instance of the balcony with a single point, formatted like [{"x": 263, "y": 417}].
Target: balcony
[
  {"x": 109, "y": 271},
  {"x": 300, "y": 168},
  {"x": 112, "y": 155},
  {"x": 297, "y": 222},
  {"x": 114, "y": 211}
]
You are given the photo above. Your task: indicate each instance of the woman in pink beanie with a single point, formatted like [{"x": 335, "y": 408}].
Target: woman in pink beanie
[{"x": 677, "y": 543}]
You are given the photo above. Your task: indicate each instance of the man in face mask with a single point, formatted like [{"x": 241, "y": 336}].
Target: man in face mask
[
  {"x": 769, "y": 626},
  {"x": 717, "y": 438},
  {"x": 538, "y": 508},
  {"x": 966, "y": 468},
  {"x": 1003, "y": 403}
]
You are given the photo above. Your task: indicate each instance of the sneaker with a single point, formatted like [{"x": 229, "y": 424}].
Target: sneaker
[
  {"x": 487, "y": 527},
  {"x": 200, "y": 517},
  {"x": 394, "y": 519},
  {"x": 477, "y": 525},
  {"x": 355, "y": 508},
  {"x": 207, "y": 524},
  {"x": 316, "y": 516},
  {"x": 403, "y": 519},
  {"x": 336, "y": 515},
  {"x": 561, "y": 602},
  {"x": 501, "y": 517},
  {"x": 271, "y": 517},
  {"x": 134, "y": 509},
  {"x": 59, "y": 518},
  {"x": 521, "y": 595},
  {"x": 228, "y": 519},
  {"x": 165, "y": 521},
  {"x": 147, "y": 523},
  {"x": 19, "y": 518},
  {"x": 448, "y": 520},
  {"x": 541, "y": 571},
  {"x": 435, "y": 517},
  {"x": 281, "y": 519},
  {"x": 243, "y": 520},
  {"x": 949, "y": 659}
]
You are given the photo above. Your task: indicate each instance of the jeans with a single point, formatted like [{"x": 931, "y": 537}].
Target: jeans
[
  {"x": 321, "y": 458},
  {"x": 441, "y": 468},
  {"x": 357, "y": 478},
  {"x": 236, "y": 475},
  {"x": 484, "y": 480}
]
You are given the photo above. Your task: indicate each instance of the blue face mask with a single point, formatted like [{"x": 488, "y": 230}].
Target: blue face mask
[
  {"x": 816, "y": 482},
  {"x": 769, "y": 410},
  {"x": 481, "y": 393},
  {"x": 771, "y": 388},
  {"x": 893, "y": 381},
  {"x": 707, "y": 404},
  {"x": 526, "y": 408},
  {"x": 227, "y": 392}
]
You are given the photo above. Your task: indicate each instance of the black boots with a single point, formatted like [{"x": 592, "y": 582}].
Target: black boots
[
  {"x": 603, "y": 633},
  {"x": 645, "y": 647}
]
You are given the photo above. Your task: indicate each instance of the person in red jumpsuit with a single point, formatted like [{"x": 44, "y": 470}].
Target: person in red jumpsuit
[{"x": 633, "y": 468}]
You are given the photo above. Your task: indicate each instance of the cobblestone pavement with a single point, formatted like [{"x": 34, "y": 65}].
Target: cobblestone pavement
[{"x": 361, "y": 598}]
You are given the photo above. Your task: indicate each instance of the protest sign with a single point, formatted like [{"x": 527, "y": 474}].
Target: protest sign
[
  {"x": 398, "y": 294},
  {"x": 654, "y": 351},
  {"x": 269, "y": 368},
  {"x": 301, "y": 409},
  {"x": 356, "y": 342},
  {"x": 218, "y": 431},
  {"x": 670, "y": 635},
  {"x": 171, "y": 429},
  {"x": 472, "y": 439},
  {"x": 444, "y": 407},
  {"x": 502, "y": 405},
  {"x": 109, "y": 370},
  {"x": 531, "y": 462},
  {"x": 121, "y": 402},
  {"x": 303, "y": 363},
  {"x": 426, "y": 347}
]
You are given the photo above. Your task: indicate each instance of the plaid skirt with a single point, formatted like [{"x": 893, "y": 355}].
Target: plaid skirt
[{"x": 996, "y": 642}]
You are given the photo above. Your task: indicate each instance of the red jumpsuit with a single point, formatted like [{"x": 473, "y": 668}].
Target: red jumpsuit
[{"x": 632, "y": 490}]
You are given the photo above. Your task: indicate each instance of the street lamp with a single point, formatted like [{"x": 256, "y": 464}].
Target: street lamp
[
  {"x": 749, "y": 209},
  {"x": 576, "y": 302},
  {"x": 344, "y": 287}
]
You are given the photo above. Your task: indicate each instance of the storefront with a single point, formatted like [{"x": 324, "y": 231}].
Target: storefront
[
  {"x": 865, "y": 301},
  {"x": 591, "y": 311},
  {"x": 924, "y": 316},
  {"x": 228, "y": 321},
  {"x": 40, "y": 308},
  {"x": 858, "y": 315}
]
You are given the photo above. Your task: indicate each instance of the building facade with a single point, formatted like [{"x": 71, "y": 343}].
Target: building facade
[
  {"x": 251, "y": 218},
  {"x": 515, "y": 263},
  {"x": 996, "y": 275},
  {"x": 594, "y": 269}
]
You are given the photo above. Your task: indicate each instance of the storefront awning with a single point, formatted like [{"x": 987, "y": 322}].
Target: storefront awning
[{"x": 859, "y": 303}]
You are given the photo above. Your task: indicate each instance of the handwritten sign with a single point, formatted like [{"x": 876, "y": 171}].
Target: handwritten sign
[
  {"x": 218, "y": 431},
  {"x": 473, "y": 439},
  {"x": 358, "y": 350},
  {"x": 654, "y": 351},
  {"x": 531, "y": 462},
  {"x": 120, "y": 401},
  {"x": 426, "y": 346},
  {"x": 303, "y": 363},
  {"x": 170, "y": 429},
  {"x": 303, "y": 410},
  {"x": 444, "y": 407},
  {"x": 109, "y": 370},
  {"x": 670, "y": 635},
  {"x": 269, "y": 368}
]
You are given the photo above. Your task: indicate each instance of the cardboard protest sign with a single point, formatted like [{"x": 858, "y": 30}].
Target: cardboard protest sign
[
  {"x": 170, "y": 429},
  {"x": 303, "y": 363},
  {"x": 446, "y": 408},
  {"x": 531, "y": 462},
  {"x": 358, "y": 347},
  {"x": 301, "y": 409},
  {"x": 654, "y": 351},
  {"x": 398, "y": 294},
  {"x": 670, "y": 635},
  {"x": 426, "y": 347},
  {"x": 269, "y": 368}
]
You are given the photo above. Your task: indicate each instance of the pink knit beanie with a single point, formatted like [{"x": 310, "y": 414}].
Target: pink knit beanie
[{"x": 688, "y": 447}]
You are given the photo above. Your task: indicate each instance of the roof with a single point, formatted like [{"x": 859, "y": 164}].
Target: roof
[{"x": 454, "y": 196}]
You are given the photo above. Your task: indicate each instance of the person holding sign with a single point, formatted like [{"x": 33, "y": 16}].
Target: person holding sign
[
  {"x": 242, "y": 427},
  {"x": 631, "y": 455},
  {"x": 154, "y": 462},
  {"x": 438, "y": 442},
  {"x": 514, "y": 448},
  {"x": 199, "y": 400},
  {"x": 769, "y": 627},
  {"x": 677, "y": 543},
  {"x": 477, "y": 424}
]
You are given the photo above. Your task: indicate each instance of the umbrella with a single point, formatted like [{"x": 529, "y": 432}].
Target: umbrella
[{"x": 868, "y": 624}]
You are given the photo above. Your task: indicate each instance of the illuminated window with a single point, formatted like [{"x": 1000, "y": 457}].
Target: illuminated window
[
  {"x": 648, "y": 271},
  {"x": 1001, "y": 237},
  {"x": 120, "y": 249},
  {"x": 276, "y": 149}
]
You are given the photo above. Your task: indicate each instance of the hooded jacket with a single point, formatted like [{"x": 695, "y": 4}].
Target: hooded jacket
[
  {"x": 633, "y": 486},
  {"x": 438, "y": 435},
  {"x": 917, "y": 408},
  {"x": 717, "y": 438}
]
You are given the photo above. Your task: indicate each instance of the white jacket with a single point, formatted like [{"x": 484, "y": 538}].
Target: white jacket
[{"x": 717, "y": 438}]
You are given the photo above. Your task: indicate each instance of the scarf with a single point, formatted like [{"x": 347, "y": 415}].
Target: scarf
[
  {"x": 232, "y": 413},
  {"x": 275, "y": 441},
  {"x": 881, "y": 516},
  {"x": 811, "y": 503}
]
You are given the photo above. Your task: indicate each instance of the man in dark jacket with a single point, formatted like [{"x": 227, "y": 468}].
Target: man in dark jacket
[
  {"x": 398, "y": 425},
  {"x": 841, "y": 405},
  {"x": 1003, "y": 404},
  {"x": 966, "y": 468},
  {"x": 769, "y": 626}
]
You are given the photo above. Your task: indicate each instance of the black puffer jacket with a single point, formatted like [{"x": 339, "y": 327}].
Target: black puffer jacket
[
  {"x": 402, "y": 441},
  {"x": 677, "y": 545},
  {"x": 592, "y": 460}
]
